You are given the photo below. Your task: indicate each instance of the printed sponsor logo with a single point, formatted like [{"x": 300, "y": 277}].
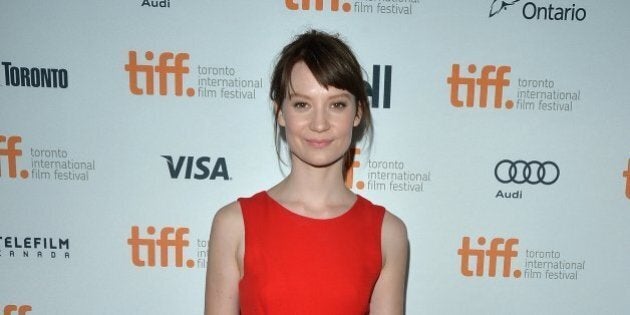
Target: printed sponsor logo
[
  {"x": 374, "y": 90},
  {"x": 542, "y": 95},
  {"x": 350, "y": 172},
  {"x": 332, "y": 5},
  {"x": 163, "y": 70},
  {"x": 29, "y": 247},
  {"x": 550, "y": 265},
  {"x": 521, "y": 172},
  {"x": 16, "y": 309},
  {"x": 386, "y": 175},
  {"x": 144, "y": 249},
  {"x": 472, "y": 90},
  {"x": 491, "y": 77},
  {"x": 225, "y": 82},
  {"x": 532, "y": 172},
  {"x": 34, "y": 76},
  {"x": 46, "y": 163},
  {"x": 156, "y": 4},
  {"x": 541, "y": 12},
  {"x": 483, "y": 259},
  {"x": 499, "y": 5},
  {"x": 499, "y": 248},
  {"x": 626, "y": 174},
  {"x": 386, "y": 7},
  {"x": 202, "y": 253},
  {"x": 168, "y": 76},
  {"x": 11, "y": 153},
  {"x": 205, "y": 167}
]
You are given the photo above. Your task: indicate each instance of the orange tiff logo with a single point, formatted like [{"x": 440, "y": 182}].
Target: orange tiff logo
[
  {"x": 491, "y": 76},
  {"x": 16, "y": 310},
  {"x": 319, "y": 5},
  {"x": 11, "y": 153},
  {"x": 626, "y": 174},
  {"x": 169, "y": 238},
  {"x": 499, "y": 247},
  {"x": 164, "y": 69},
  {"x": 350, "y": 172}
]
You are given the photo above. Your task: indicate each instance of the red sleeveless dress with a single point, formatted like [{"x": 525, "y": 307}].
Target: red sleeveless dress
[{"x": 299, "y": 265}]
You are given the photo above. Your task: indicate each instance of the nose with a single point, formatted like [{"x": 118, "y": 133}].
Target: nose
[{"x": 319, "y": 120}]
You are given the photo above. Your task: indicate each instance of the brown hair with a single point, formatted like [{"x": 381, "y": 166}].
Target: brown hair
[{"x": 333, "y": 63}]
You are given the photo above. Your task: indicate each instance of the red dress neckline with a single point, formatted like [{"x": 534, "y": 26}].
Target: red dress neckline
[{"x": 293, "y": 213}]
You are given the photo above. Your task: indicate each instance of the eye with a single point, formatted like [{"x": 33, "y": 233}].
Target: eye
[
  {"x": 338, "y": 105},
  {"x": 300, "y": 105}
]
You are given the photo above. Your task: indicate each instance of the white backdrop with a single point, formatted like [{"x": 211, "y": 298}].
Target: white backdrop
[{"x": 96, "y": 145}]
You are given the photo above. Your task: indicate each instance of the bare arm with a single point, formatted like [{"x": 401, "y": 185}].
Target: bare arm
[
  {"x": 388, "y": 297},
  {"x": 224, "y": 260}
]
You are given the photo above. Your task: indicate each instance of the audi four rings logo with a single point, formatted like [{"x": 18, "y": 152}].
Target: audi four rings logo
[{"x": 532, "y": 172}]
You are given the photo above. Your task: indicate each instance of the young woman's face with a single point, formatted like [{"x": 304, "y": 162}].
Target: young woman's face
[{"x": 318, "y": 121}]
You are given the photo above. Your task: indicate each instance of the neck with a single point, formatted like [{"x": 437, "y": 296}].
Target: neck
[{"x": 313, "y": 185}]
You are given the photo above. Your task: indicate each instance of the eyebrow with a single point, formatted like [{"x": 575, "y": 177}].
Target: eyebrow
[{"x": 339, "y": 95}]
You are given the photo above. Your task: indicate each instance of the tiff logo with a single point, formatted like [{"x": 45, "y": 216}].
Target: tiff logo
[
  {"x": 319, "y": 5},
  {"x": 164, "y": 242},
  {"x": 16, "y": 310},
  {"x": 374, "y": 89},
  {"x": 163, "y": 69},
  {"x": 626, "y": 174},
  {"x": 11, "y": 153},
  {"x": 350, "y": 172},
  {"x": 484, "y": 82},
  {"x": 495, "y": 251}
]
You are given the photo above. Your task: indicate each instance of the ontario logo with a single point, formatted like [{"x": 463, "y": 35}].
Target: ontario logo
[
  {"x": 546, "y": 12},
  {"x": 170, "y": 71},
  {"x": 475, "y": 88},
  {"x": 13, "y": 309},
  {"x": 499, "y": 5},
  {"x": 167, "y": 246}
]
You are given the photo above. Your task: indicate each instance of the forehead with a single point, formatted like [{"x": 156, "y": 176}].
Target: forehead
[{"x": 303, "y": 82}]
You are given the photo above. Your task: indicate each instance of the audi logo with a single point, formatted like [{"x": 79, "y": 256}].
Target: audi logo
[{"x": 532, "y": 172}]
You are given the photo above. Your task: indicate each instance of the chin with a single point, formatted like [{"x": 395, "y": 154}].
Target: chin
[{"x": 320, "y": 162}]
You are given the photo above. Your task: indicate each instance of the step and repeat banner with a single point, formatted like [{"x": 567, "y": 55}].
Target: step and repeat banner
[{"x": 501, "y": 139}]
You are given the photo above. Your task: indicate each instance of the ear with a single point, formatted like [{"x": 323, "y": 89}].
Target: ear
[
  {"x": 280, "y": 117},
  {"x": 357, "y": 117}
]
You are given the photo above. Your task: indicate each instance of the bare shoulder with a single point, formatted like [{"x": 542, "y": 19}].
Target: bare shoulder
[
  {"x": 224, "y": 261},
  {"x": 227, "y": 224},
  {"x": 229, "y": 216},
  {"x": 394, "y": 228},
  {"x": 394, "y": 242},
  {"x": 388, "y": 296}
]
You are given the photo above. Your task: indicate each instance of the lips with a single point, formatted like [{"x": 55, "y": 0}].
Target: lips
[{"x": 318, "y": 143}]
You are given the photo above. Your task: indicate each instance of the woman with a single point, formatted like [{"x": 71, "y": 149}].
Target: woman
[{"x": 309, "y": 245}]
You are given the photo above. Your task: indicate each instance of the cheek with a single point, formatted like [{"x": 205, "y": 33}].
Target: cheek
[
  {"x": 292, "y": 127},
  {"x": 345, "y": 128}
]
